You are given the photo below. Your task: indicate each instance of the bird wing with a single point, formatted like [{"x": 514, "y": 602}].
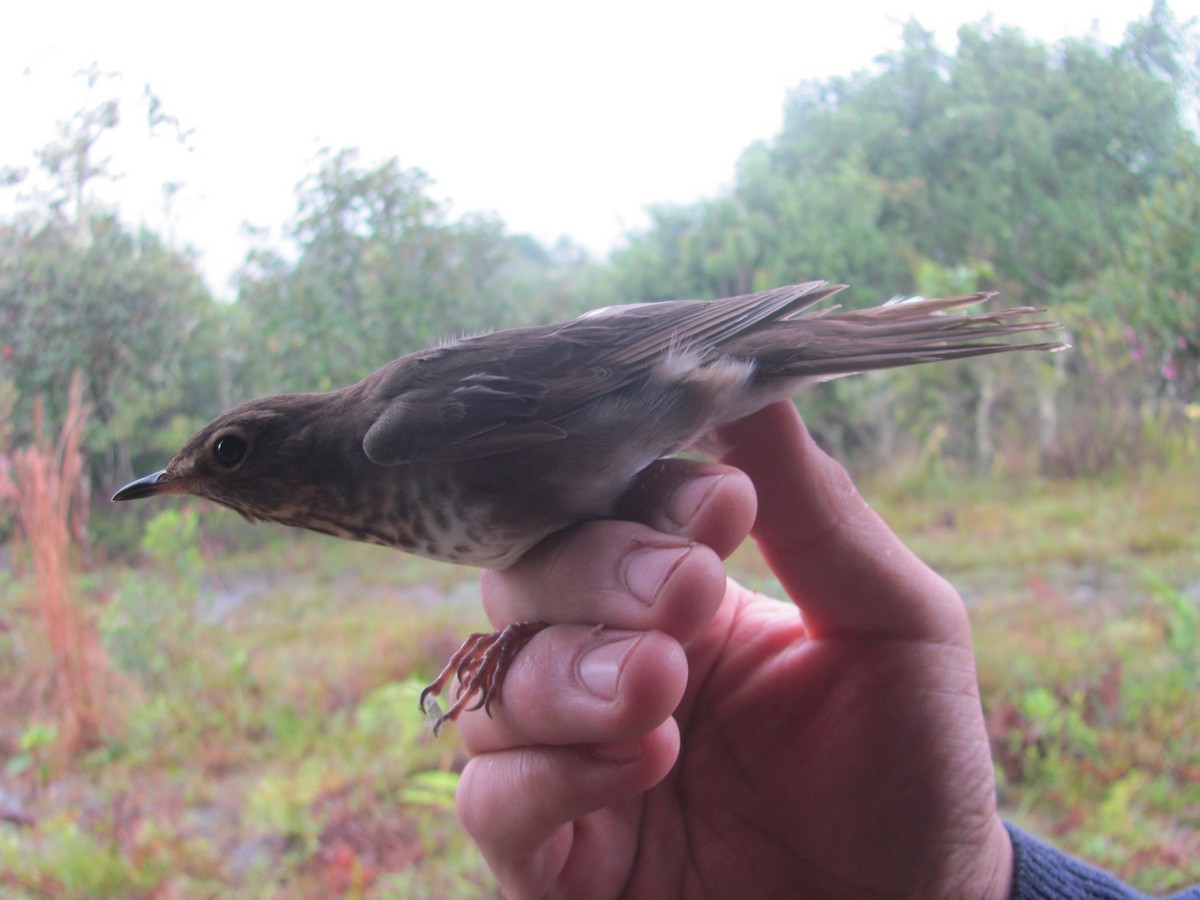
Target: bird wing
[
  {"x": 478, "y": 415},
  {"x": 506, "y": 391}
]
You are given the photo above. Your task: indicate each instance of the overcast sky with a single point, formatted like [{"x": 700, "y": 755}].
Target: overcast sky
[{"x": 562, "y": 118}]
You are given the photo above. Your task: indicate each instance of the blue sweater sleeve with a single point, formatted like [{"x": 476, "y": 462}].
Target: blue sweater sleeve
[{"x": 1042, "y": 873}]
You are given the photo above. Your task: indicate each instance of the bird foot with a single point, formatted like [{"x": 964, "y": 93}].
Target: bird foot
[{"x": 479, "y": 667}]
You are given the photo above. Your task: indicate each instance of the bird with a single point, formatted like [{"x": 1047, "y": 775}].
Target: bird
[{"x": 475, "y": 450}]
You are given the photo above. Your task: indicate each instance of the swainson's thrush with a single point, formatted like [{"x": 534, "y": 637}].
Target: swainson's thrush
[{"x": 473, "y": 451}]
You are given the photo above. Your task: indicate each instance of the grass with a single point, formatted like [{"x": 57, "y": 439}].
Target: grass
[
  {"x": 261, "y": 735},
  {"x": 1090, "y": 705},
  {"x": 994, "y": 524},
  {"x": 265, "y": 741},
  {"x": 1084, "y": 601}
]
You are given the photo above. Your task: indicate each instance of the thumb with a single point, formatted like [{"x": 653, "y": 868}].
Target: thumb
[{"x": 835, "y": 557}]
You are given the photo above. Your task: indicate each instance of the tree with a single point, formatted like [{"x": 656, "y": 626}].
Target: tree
[
  {"x": 381, "y": 269},
  {"x": 1019, "y": 163},
  {"x": 78, "y": 289},
  {"x": 1025, "y": 156},
  {"x": 119, "y": 306},
  {"x": 1153, "y": 289},
  {"x": 71, "y": 160}
]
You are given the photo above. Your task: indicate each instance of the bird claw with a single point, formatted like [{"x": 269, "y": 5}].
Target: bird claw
[{"x": 478, "y": 667}]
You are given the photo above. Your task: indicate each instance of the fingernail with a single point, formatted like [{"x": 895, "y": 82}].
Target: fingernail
[
  {"x": 647, "y": 570},
  {"x": 600, "y": 668},
  {"x": 687, "y": 498}
]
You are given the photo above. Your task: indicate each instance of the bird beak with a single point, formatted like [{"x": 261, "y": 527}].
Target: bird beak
[{"x": 161, "y": 482}]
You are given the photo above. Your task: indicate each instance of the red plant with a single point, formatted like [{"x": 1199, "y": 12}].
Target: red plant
[{"x": 44, "y": 481}]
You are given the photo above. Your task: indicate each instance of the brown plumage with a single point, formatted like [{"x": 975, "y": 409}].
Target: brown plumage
[{"x": 474, "y": 451}]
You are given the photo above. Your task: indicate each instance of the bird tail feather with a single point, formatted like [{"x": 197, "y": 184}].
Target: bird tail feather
[{"x": 898, "y": 333}]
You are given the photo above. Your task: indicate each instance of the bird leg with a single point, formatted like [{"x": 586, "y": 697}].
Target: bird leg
[{"x": 479, "y": 667}]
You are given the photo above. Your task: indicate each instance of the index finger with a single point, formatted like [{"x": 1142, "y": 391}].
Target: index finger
[{"x": 835, "y": 557}]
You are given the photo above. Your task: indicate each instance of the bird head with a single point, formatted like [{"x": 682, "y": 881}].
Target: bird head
[{"x": 250, "y": 459}]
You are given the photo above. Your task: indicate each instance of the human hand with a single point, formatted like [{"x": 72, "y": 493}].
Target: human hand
[{"x": 718, "y": 742}]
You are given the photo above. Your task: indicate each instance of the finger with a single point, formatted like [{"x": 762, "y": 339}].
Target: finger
[
  {"x": 619, "y": 574},
  {"x": 835, "y": 557},
  {"x": 706, "y": 502},
  {"x": 518, "y": 806},
  {"x": 628, "y": 575},
  {"x": 576, "y": 685}
]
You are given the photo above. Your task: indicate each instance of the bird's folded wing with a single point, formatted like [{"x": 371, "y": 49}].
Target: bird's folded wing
[
  {"x": 479, "y": 416},
  {"x": 496, "y": 394}
]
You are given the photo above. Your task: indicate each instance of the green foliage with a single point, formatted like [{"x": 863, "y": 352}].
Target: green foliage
[
  {"x": 1133, "y": 380},
  {"x": 279, "y": 747},
  {"x": 547, "y": 284},
  {"x": 119, "y": 307},
  {"x": 1010, "y": 151},
  {"x": 388, "y": 714},
  {"x": 381, "y": 270},
  {"x": 149, "y": 626},
  {"x": 273, "y": 744},
  {"x": 290, "y": 709},
  {"x": 1086, "y": 660},
  {"x": 1027, "y": 157},
  {"x": 80, "y": 290},
  {"x": 170, "y": 541},
  {"x": 1182, "y": 621},
  {"x": 144, "y": 627},
  {"x": 1153, "y": 289},
  {"x": 63, "y": 859},
  {"x": 1008, "y": 164},
  {"x": 281, "y": 803},
  {"x": 37, "y": 740},
  {"x": 1057, "y": 727},
  {"x": 432, "y": 789}
]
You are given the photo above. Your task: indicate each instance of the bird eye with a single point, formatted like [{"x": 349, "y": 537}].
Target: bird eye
[{"x": 229, "y": 450}]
